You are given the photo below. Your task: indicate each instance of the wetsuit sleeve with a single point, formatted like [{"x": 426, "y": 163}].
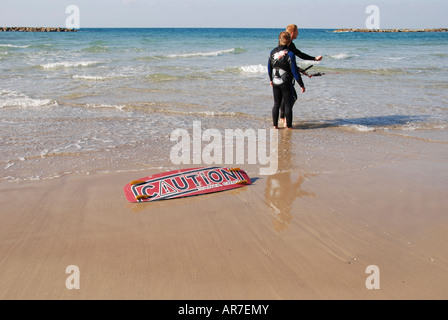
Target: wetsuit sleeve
[
  {"x": 294, "y": 69},
  {"x": 270, "y": 68},
  {"x": 300, "y": 54}
]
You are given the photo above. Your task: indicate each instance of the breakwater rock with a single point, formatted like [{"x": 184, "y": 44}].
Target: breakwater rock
[
  {"x": 393, "y": 30},
  {"x": 36, "y": 29}
]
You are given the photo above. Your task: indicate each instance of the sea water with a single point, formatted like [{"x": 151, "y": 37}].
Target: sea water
[{"x": 101, "y": 100}]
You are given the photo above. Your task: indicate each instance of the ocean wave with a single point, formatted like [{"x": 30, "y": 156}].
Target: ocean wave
[
  {"x": 440, "y": 55},
  {"x": 246, "y": 69},
  {"x": 163, "y": 108},
  {"x": 307, "y": 62},
  {"x": 358, "y": 128},
  {"x": 205, "y": 54},
  {"x": 96, "y": 49},
  {"x": 396, "y": 58},
  {"x": 66, "y": 64},
  {"x": 342, "y": 56},
  {"x": 106, "y": 106},
  {"x": 13, "y": 46},
  {"x": 16, "y": 99},
  {"x": 377, "y": 123},
  {"x": 253, "y": 69},
  {"x": 161, "y": 77},
  {"x": 192, "y": 54},
  {"x": 180, "y": 109},
  {"x": 42, "y": 46},
  {"x": 94, "y": 78},
  {"x": 376, "y": 71}
]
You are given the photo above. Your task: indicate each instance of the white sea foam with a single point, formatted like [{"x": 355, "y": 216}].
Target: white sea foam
[
  {"x": 85, "y": 77},
  {"x": 9, "y": 165},
  {"x": 202, "y": 54},
  {"x": 106, "y": 106},
  {"x": 15, "y": 99},
  {"x": 214, "y": 113},
  {"x": 13, "y": 46},
  {"x": 307, "y": 62},
  {"x": 342, "y": 56},
  {"x": 358, "y": 128},
  {"x": 67, "y": 64},
  {"x": 254, "y": 68}
]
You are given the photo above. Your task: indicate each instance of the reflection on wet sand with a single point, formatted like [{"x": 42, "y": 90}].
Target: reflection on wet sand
[{"x": 285, "y": 186}]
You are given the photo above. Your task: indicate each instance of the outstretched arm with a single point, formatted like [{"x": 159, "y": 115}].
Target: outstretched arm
[{"x": 301, "y": 55}]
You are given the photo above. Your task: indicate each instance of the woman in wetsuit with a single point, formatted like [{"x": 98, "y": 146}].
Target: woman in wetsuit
[
  {"x": 293, "y": 30},
  {"x": 282, "y": 69}
]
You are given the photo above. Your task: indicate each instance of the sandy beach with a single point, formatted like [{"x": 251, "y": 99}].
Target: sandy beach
[{"x": 308, "y": 232}]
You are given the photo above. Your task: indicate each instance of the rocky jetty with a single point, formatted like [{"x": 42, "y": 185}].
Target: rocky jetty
[
  {"x": 36, "y": 29},
  {"x": 393, "y": 30}
]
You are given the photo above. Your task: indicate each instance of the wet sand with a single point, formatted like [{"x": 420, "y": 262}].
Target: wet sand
[{"x": 304, "y": 233}]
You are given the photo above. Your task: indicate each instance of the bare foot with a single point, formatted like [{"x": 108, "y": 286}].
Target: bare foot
[{"x": 283, "y": 121}]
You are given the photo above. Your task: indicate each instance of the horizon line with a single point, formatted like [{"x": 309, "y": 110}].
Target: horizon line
[{"x": 184, "y": 27}]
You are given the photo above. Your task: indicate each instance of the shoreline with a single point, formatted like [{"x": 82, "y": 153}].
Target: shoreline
[
  {"x": 36, "y": 29},
  {"x": 391, "y": 30}
]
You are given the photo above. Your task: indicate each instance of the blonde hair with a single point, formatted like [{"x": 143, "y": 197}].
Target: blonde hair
[
  {"x": 291, "y": 28},
  {"x": 284, "y": 39}
]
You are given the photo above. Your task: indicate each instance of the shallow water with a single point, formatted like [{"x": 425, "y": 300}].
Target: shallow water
[{"x": 108, "y": 99}]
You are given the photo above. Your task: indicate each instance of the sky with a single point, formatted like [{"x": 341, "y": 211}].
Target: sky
[{"x": 225, "y": 13}]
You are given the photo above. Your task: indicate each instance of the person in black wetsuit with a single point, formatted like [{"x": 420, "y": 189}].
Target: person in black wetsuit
[
  {"x": 282, "y": 69},
  {"x": 293, "y": 30}
]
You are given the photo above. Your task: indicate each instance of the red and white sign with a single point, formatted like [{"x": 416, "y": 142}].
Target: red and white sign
[{"x": 185, "y": 183}]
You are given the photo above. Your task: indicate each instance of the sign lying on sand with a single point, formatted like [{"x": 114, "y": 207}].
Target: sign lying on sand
[{"x": 185, "y": 183}]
